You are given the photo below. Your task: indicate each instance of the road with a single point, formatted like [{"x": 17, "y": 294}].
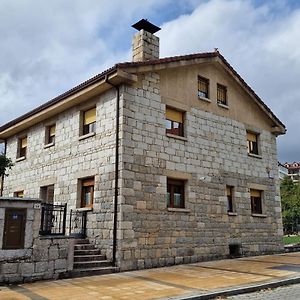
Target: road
[{"x": 291, "y": 292}]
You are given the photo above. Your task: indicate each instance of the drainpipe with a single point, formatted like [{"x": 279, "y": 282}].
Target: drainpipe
[
  {"x": 2, "y": 178},
  {"x": 115, "y": 215}
]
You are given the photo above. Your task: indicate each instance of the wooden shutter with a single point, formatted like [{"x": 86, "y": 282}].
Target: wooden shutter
[
  {"x": 252, "y": 137},
  {"x": 52, "y": 130},
  {"x": 174, "y": 115},
  {"x": 24, "y": 142},
  {"x": 89, "y": 116},
  {"x": 229, "y": 190},
  {"x": 255, "y": 193}
]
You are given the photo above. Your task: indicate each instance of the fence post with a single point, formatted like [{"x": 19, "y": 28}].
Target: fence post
[{"x": 65, "y": 218}]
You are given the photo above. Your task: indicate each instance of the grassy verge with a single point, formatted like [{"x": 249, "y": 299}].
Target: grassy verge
[{"x": 292, "y": 239}]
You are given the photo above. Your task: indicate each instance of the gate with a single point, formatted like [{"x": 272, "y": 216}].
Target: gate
[
  {"x": 53, "y": 219},
  {"x": 77, "y": 226}
]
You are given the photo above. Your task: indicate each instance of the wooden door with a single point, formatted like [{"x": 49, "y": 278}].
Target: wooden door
[{"x": 14, "y": 228}]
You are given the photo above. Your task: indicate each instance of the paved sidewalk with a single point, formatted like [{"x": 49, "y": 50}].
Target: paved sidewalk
[{"x": 194, "y": 281}]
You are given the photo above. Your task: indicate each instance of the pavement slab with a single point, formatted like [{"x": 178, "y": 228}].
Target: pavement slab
[{"x": 203, "y": 280}]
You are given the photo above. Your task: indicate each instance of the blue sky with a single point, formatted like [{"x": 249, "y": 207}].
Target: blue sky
[{"x": 47, "y": 47}]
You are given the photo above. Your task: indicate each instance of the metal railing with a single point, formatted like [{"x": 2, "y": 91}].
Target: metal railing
[
  {"x": 53, "y": 219},
  {"x": 77, "y": 225}
]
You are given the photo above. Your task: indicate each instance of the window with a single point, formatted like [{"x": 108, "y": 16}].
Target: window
[
  {"x": 47, "y": 194},
  {"x": 229, "y": 192},
  {"x": 22, "y": 147},
  {"x": 19, "y": 194},
  {"x": 174, "y": 121},
  {"x": 252, "y": 143},
  {"x": 50, "y": 134},
  {"x": 87, "y": 192},
  {"x": 221, "y": 94},
  {"x": 175, "y": 193},
  {"x": 256, "y": 201},
  {"x": 203, "y": 85},
  {"x": 89, "y": 121}
]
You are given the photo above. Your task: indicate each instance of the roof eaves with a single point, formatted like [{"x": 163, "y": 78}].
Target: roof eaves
[{"x": 59, "y": 98}]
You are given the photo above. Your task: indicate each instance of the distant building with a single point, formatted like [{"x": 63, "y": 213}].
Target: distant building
[
  {"x": 293, "y": 170},
  {"x": 282, "y": 171}
]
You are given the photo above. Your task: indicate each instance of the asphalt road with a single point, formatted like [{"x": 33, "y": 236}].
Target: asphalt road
[{"x": 291, "y": 292}]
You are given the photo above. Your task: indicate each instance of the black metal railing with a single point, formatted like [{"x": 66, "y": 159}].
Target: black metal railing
[
  {"x": 53, "y": 219},
  {"x": 77, "y": 225}
]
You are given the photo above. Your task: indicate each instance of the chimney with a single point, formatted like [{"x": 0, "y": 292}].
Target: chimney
[{"x": 145, "y": 45}]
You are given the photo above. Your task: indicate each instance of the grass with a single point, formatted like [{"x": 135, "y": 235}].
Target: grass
[{"x": 291, "y": 239}]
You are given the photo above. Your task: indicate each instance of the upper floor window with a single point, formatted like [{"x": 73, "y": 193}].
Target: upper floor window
[
  {"x": 50, "y": 134},
  {"x": 252, "y": 142},
  {"x": 22, "y": 148},
  {"x": 256, "y": 201},
  {"x": 174, "y": 121},
  {"x": 203, "y": 86},
  {"x": 87, "y": 192},
  {"x": 89, "y": 121},
  {"x": 19, "y": 194},
  {"x": 175, "y": 193},
  {"x": 222, "y": 94},
  {"x": 229, "y": 192}
]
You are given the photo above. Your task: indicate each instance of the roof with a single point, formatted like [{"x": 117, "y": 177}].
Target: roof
[{"x": 127, "y": 65}]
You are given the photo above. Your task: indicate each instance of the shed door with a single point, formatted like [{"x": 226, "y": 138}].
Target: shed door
[{"x": 14, "y": 228}]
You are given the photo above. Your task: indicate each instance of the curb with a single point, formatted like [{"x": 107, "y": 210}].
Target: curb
[{"x": 242, "y": 290}]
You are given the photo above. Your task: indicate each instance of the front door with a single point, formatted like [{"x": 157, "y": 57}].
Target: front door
[{"x": 14, "y": 228}]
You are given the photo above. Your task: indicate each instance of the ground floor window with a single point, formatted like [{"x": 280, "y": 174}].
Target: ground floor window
[
  {"x": 19, "y": 194},
  {"x": 47, "y": 194},
  {"x": 87, "y": 192},
  {"x": 175, "y": 193},
  {"x": 256, "y": 201},
  {"x": 229, "y": 192}
]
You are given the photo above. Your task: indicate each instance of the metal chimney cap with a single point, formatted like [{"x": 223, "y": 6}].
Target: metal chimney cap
[{"x": 146, "y": 25}]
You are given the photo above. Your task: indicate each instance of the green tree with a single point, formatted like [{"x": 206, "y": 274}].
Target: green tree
[
  {"x": 290, "y": 202},
  {"x": 5, "y": 164}
]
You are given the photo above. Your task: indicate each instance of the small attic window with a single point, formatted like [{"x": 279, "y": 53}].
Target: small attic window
[{"x": 222, "y": 94}]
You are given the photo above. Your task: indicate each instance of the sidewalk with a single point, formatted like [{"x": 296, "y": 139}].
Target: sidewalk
[{"x": 194, "y": 281}]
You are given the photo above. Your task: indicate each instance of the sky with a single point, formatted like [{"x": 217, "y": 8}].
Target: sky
[{"x": 48, "y": 47}]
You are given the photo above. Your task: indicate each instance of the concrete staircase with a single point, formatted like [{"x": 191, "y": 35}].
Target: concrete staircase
[{"x": 88, "y": 260}]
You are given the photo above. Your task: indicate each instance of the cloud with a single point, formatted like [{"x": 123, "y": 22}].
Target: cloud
[{"x": 48, "y": 47}]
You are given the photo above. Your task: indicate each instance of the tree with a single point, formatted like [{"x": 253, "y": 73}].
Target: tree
[
  {"x": 5, "y": 164},
  {"x": 290, "y": 202}
]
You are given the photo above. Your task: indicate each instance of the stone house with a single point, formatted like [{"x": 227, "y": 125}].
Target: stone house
[{"x": 173, "y": 158}]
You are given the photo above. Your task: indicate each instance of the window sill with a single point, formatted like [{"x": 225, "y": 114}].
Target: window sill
[
  {"x": 178, "y": 137},
  {"x": 20, "y": 158},
  {"x": 48, "y": 145},
  {"x": 259, "y": 215},
  {"x": 81, "y": 209},
  {"x": 231, "y": 213},
  {"x": 255, "y": 155},
  {"x": 223, "y": 105},
  {"x": 82, "y": 137},
  {"x": 183, "y": 210},
  {"x": 204, "y": 99}
]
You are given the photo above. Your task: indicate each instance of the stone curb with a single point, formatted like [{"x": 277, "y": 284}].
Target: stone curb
[{"x": 241, "y": 290}]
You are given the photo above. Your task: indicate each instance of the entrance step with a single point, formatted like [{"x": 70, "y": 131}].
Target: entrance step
[
  {"x": 92, "y": 271},
  {"x": 89, "y": 261}
]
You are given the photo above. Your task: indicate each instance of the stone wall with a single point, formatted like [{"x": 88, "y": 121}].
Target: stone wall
[
  {"x": 70, "y": 159},
  {"x": 212, "y": 154},
  {"x": 42, "y": 257}
]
